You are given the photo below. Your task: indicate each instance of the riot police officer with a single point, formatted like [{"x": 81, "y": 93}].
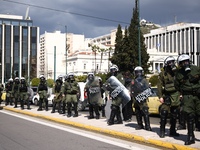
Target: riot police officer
[
  {"x": 9, "y": 94},
  {"x": 117, "y": 101},
  {"x": 168, "y": 96},
  {"x": 15, "y": 90},
  {"x": 1, "y": 91},
  {"x": 42, "y": 91},
  {"x": 95, "y": 100},
  {"x": 23, "y": 92},
  {"x": 187, "y": 82},
  {"x": 71, "y": 90},
  {"x": 141, "y": 107},
  {"x": 57, "y": 90}
]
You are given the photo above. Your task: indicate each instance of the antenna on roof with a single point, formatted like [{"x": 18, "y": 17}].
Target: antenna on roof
[{"x": 27, "y": 12}]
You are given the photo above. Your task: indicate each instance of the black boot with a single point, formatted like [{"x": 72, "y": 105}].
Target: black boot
[
  {"x": 28, "y": 105},
  {"x": 182, "y": 122},
  {"x": 103, "y": 111},
  {"x": 22, "y": 104},
  {"x": 91, "y": 112},
  {"x": 96, "y": 110},
  {"x": 118, "y": 115},
  {"x": 163, "y": 119},
  {"x": 190, "y": 125},
  {"x": 173, "y": 123},
  {"x": 40, "y": 105},
  {"x": 69, "y": 112},
  {"x": 16, "y": 100},
  {"x": 112, "y": 117},
  {"x": 138, "y": 115},
  {"x": 59, "y": 108},
  {"x": 46, "y": 105},
  {"x": 63, "y": 108},
  {"x": 75, "y": 110},
  {"x": 54, "y": 107},
  {"x": 146, "y": 118}
]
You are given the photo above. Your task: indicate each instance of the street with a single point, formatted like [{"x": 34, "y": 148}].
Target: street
[{"x": 26, "y": 133}]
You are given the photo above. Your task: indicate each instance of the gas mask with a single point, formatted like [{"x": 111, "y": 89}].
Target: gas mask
[
  {"x": 113, "y": 72},
  {"x": 171, "y": 65},
  {"x": 186, "y": 65}
]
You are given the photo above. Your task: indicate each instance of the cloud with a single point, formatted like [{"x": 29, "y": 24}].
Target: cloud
[{"x": 97, "y": 17}]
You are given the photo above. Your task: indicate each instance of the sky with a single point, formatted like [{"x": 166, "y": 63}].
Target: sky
[{"x": 94, "y": 18}]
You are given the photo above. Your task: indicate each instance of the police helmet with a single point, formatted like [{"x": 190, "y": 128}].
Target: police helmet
[
  {"x": 60, "y": 77},
  {"x": 16, "y": 78},
  {"x": 138, "y": 71},
  {"x": 90, "y": 76},
  {"x": 183, "y": 57},
  {"x": 10, "y": 80},
  {"x": 71, "y": 76},
  {"x": 114, "y": 69},
  {"x": 169, "y": 60}
]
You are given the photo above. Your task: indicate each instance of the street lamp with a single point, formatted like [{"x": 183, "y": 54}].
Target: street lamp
[
  {"x": 139, "y": 48},
  {"x": 66, "y": 46}
]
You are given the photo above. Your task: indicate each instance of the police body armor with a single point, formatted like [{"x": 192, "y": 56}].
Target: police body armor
[{"x": 140, "y": 89}]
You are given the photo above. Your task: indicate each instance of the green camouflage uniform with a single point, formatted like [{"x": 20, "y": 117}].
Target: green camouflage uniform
[
  {"x": 188, "y": 84},
  {"x": 57, "y": 90},
  {"x": 42, "y": 91},
  {"x": 1, "y": 91},
  {"x": 71, "y": 90},
  {"x": 95, "y": 100},
  {"x": 171, "y": 96},
  {"x": 9, "y": 94},
  {"x": 23, "y": 92},
  {"x": 15, "y": 91}
]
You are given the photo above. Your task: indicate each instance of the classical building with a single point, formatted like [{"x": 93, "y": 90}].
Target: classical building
[
  {"x": 18, "y": 47},
  {"x": 173, "y": 40}
]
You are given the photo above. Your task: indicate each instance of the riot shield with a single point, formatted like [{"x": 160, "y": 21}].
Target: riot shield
[
  {"x": 117, "y": 89},
  {"x": 140, "y": 89}
]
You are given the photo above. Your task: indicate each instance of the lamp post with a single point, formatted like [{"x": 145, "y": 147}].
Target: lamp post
[
  {"x": 139, "y": 48},
  {"x": 66, "y": 46}
]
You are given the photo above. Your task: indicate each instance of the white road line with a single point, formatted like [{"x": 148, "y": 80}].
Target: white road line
[{"x": 130, "y": 147}]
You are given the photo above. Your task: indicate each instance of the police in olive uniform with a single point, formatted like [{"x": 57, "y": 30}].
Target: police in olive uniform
[
  {"x": 23, "y": 92},
  {"x": 42, "y": 91},
  {"x": 15, "y": 90},
  {"x": 57, "y": 90},
  {"x": 187, "y": 82},
  {"x": 9, "y": 94},
  {"x": 95, "y": 100},
  {"x": 71, "y": 90},
  {"x": 117, "y": 101},
  {"x": 168, "y": 96},
  {"x": 141, "y": 108}
]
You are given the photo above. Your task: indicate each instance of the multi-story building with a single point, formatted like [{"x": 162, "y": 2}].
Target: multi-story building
[
  {"x": 18, "y": 47},
  {"x": 52, "y": 55},
  {"x": 173, "y": 40}
]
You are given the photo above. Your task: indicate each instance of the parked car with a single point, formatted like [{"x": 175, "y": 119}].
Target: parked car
[
  {"x": 35, "y": 99},
  {"x": 153, "y": 102}
]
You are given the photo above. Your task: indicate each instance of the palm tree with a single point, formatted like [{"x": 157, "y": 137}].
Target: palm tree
[{"x": 95, "y": 49}]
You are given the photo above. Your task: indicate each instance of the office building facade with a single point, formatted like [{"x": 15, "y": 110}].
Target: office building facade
[{"x": 18, "y": 47}]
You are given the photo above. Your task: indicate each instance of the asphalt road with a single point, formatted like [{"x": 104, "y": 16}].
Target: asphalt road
[{"x": 18, "y": 132}]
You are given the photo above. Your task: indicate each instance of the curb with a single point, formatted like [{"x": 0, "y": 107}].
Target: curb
[{"x": 113, "y": 133}]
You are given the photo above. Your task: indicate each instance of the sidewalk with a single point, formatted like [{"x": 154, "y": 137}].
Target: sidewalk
[{"x": 124, "y": 131}]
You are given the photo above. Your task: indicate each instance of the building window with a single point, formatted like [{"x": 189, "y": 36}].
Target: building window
[{"x": 84, "y": 66}]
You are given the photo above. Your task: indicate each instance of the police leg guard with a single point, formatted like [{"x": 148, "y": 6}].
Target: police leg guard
[
  {"x": 103, "y": 110},
  {"x": 59, "y": 108},
  {"x": 11, "y": 101},
  {"x": 96, "y": 110},
  {"x": 64, "y": 108},
  {"x": 118, "y": 115},
  {"x": 163, "y": 120},
  {"x": 22, "y": 104},
  {"x": 54, "y": 107},
  {"x": 28, "y": 105},
  {"x": 112, "y": 115},
  {"x": 7, "y": 100},
  {"x": 16, "y": 100},
  {"x": 91, "y": 112},
  {"x": 146, "y": 118},
  {"x": 138, "y": 114},
  {"x": 40, "y": 105},
  {"x": 69, "y": 112},
  {"x": 173, "y": 118},
  {"x": 46, "y": 105},
  {"x": 182, "y": 121},
  {"x": 75, "y": 110},
  {"x": 190, "y": 126}
]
